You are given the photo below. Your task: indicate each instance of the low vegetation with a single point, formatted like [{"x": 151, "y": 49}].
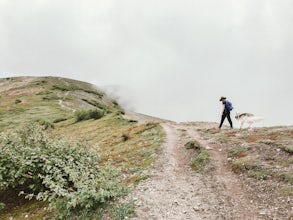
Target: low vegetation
[
  {"x": 200, "y": 162},
  {"x": 88, "y": 114},
  {"x": 192, "y": 145},
  {"x": 262, "y": 159},
  {"x": 68, "y": 176},
  {"x": 202, "y": 159},
  {"x": 238, "y": 152},
  {"x": 244, "y": 164},
  {"x": 104, "y": 156}
]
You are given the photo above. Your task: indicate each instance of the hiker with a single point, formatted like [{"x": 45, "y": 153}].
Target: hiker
[{"x": 227, "y": 107}]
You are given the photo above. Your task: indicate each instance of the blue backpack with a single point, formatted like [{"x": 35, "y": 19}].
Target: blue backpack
[{"x": 229, "y": 106}]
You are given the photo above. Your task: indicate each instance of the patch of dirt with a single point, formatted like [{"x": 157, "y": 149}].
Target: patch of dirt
[
  {"x": 175, "y": 191},
  {"x": 13, "y": 83},
  {"x": 22, "y": 91},
  {"x": 61, "y": 103}
]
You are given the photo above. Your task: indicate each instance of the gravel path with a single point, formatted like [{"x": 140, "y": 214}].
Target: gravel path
[{"x": 175, "y": 191}]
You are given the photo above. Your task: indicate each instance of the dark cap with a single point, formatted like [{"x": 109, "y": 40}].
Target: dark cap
[{"x": 222, "y": 98}]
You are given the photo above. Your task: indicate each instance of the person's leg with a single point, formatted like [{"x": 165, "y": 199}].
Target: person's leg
[
  {"x": 223, "y": 118},
  {"x": 229, "y": 119}
]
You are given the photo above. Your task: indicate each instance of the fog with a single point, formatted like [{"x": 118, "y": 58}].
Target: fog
[{"x": 171, "y": 59}]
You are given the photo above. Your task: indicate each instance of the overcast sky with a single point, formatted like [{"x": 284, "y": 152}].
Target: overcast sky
[{"x": 171, "y": 59}]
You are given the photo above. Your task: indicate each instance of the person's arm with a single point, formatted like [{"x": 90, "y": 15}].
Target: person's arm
[{"x": 224, "y": 106}]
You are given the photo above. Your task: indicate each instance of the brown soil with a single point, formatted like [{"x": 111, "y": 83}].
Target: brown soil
[{"x": 175, "y": 191}]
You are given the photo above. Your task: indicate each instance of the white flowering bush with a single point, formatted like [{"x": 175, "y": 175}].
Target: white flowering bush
[{"x": 66, "y": 175}]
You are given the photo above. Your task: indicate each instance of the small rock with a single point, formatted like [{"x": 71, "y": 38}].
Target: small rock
[
  {"x": 220, "y": 150},
  {"x": 26, "y": 216},
  {"x": 262, "y": 213},
  {"x": 196, "y": 208}
]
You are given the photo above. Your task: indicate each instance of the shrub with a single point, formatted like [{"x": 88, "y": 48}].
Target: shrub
[
  {"x": 65, "y": 88},
  {"x": 201, "y": 161},
  {"x": 17, "y": 101},
  {"x": 95, "y": 92},
  {"x": 2, "y": 206},
  {"x": 45, "y": 124},
  {"x": 66, "y": 175},
  {"x": 88, "y": 114},
  {"x": 288, "y": 149},
  {"x": 192, "y": 145},
  {"x": 59, "y": 120},
  {"x": 125, "y": 137},
  {"x": 244, "y": 164},
  {"x": 96, "y": 104}
]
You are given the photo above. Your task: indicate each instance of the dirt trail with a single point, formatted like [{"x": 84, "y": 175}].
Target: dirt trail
[
  {"x": 175, "y": 191},
  {"x": 61, "y": 103},
  {"x": 229, "y": 186}
]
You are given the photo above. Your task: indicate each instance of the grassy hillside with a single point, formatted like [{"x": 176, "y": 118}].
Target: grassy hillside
[
  {"x": 25, "y": 99},
  {"x": 57, "y": 104}
]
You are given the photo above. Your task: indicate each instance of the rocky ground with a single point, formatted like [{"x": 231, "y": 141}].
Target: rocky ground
[{"x": 249, "y": 175}]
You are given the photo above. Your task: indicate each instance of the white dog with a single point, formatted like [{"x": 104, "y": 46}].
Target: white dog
[{"x": 248, "y": 118}]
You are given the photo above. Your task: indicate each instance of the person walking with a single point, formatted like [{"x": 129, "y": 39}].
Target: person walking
[{"x": 227, "y": 107}]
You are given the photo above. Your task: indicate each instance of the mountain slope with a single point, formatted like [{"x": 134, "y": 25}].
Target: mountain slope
[
  {"x": 30, "y": 98},
  {"x": 55, "y": 104}
]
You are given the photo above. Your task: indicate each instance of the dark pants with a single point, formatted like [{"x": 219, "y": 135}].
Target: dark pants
[{"x": 225, "y": 114}]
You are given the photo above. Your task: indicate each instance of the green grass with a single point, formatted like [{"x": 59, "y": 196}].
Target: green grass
[
  {"x": 88, "y": 114},
  {"x": 244, "y": 164},
  {"x": 238, "y": 152},
  {"x": 286, "y": 177},
  {"x": 260, "y": 174},
  {"x": 222, "y": 138},
  {"x": 40, "y": 97},
  {"x": 25, "y": 209},
  {"x": 131, "y": 156},
  {"x": 286, "y": 191},
  {"x": 200, "y": 162}
]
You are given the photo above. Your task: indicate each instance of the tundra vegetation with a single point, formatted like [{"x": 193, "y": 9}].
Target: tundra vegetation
[
  {"x": 262, "y": 159},
  {"x": 67, "y": 151}
]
